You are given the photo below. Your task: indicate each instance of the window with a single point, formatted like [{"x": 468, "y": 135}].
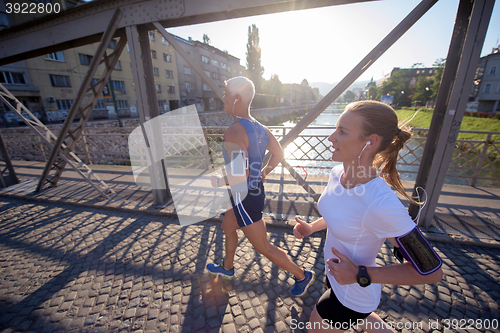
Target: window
[
  {"x": 56, "y": 56},
  {"x": 64, "y": 104},
  {"x": 118, "y": 66},
  {"x": 167, "y": 57},
  {"x": 156, "y": 71},
  {"x": 493, "y": 70},
  {"x": 4, "y": 21},
  {"x": 100, "y": 105},
  {"x": 215, "y": 76},
  {"x": 171, "y": 90},
  {"x": 206, "y": 87},
  {"x": 122, "y": 104},
  {"x": 189, "y": 86},
  {"x": 487, "y": 89},
  {"x": 169, "y": 74},
  {"x": 187, "y": 70},
  {"x": 205, "y": 60},
  {"x": 12, "y": 78},
  {"x": 208, "y": 73},
  {"x": 158, "y": 88},
  {"x": 215, "y": 63},
  {"x": 153, "y": 54},
  {"x": 118, "y": 85},
  {"x": 160, "y": 104},
  {"x": 229, "y": 69},
  {"x": 164, "y": 41},
  {"x": 85, "y": 59},
  {"x": 223, "y": 65},
  {"x": 152, "y": 36},
  {"x": 112, "y": 44},
  {"x": 498, "y": 88},
  {"x": 59, "y": 80}
]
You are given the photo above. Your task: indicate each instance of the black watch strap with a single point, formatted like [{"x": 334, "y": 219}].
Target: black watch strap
[{"x": 363, "y": 277}]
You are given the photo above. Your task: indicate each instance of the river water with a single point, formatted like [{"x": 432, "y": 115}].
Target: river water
[{"x": 329, "y": 117}]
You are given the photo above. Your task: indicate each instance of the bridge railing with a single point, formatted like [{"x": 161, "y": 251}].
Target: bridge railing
[{"x": 310, "y": 153}]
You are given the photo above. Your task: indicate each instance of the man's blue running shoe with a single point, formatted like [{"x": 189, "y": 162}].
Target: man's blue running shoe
[
  {"x": 220, "y": 270},
  {"x": 300, "y": 287}
]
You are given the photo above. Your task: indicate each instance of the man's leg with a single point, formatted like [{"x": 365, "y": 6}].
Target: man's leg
[
  {"x": 256, "y": 234},
  {"x": 230, "y": 227}
]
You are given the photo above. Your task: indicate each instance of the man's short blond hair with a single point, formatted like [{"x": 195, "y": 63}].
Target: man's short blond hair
[{"x": 242, "y": 86}]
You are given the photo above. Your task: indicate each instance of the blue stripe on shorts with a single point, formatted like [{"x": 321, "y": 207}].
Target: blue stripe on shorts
[{"x": 249, "y": 210}]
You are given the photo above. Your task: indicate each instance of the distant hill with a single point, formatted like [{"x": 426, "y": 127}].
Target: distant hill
[{"x": 324, "y": 88}]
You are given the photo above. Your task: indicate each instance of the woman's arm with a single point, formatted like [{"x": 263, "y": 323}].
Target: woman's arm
[
  {"x": 303, "y": 229},
  {"x": 345, "y": 272}
]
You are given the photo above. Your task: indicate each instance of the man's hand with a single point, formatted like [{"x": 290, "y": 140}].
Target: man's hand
[
  {"x": 342, "y": 269},
  {"x": 213, "y": 179}
]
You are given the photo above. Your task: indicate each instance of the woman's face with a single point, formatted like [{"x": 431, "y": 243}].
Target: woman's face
[{"x": 347, "y": 142}]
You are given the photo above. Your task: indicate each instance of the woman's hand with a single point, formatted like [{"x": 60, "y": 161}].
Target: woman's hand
[
  {"x": 214, "y": 178},
  {"x": 302, "y": 228},
  {"x": 342, "y": 269}
]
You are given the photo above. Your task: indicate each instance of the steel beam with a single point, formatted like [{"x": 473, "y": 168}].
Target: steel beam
[
  {"x": 48, "y": 138},
  {"x": 455, "y": 109},
  {"x": 447, "y": 80},
  {"x": 84, "y": 24},
  {"x": 356, "y": 72},
  {"x": 68, "y": 136},
  {"x": 147, "y": 105}
]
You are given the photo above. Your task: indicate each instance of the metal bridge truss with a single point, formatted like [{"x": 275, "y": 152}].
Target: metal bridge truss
[
  {"x": 49, "y": 138},
  {"x": 115, "y": 18}
]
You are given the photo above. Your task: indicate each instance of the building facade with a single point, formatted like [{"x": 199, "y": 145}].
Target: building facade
[
  {"x": 485, "y": 95},
  {"x": 217, "y": 64},
  {"x": 299, "y": 94}
]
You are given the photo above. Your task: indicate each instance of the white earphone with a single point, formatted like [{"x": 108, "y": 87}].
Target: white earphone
[{"x": 233, "y": 108}]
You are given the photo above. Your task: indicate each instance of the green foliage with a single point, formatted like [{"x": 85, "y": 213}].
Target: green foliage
[
  {"x": 349, "y": 96},
  {"x": 439, "y": 66},
  {"x": 422, "y": 119},
  {"x": 423, "y": 90},
  {"x": 398, "y": 85},
  {"x": 372, "y": 92},
  {"x": 254, "y": 67}
]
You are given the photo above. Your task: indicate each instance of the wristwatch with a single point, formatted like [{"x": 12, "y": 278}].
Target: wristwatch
[{"x": 363, "y": 277}]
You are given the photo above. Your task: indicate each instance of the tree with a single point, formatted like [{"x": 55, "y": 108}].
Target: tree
[
  {"x": 423, "y": 90},
  {"x": 254, "y": 67},
  {"x": 372, "y": 92},
  {"x": 206, "y": 39},
  {"x": 349, "y": 96},
  {"x": 398, "y": 85},
  {"x": 439, "y": 66}
]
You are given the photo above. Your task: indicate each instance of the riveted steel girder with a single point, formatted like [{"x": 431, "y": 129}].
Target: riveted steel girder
[{"x": 84, "y": 24}]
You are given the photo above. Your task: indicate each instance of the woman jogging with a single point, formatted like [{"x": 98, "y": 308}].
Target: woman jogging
[{"x": 360, "y": 211}]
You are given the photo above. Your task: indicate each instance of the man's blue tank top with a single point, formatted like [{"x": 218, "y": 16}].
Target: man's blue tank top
[{"x": 257, "y": 144}]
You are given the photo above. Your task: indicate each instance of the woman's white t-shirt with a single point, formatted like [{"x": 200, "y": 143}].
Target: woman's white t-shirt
[{"x": 359, "y": 220}]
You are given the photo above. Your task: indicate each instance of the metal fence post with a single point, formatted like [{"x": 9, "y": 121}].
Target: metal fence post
[{"x": 481, "y": 159}]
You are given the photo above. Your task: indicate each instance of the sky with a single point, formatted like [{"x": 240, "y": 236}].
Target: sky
[{"x": 324, "y": 44}]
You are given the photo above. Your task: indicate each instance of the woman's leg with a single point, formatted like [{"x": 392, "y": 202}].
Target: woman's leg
[
  {"x": 257, "y": 235},
  {"x": 373, "y": 323},
  {"x": 318, "y": 325},
  {"x": 230, "y": 227}
]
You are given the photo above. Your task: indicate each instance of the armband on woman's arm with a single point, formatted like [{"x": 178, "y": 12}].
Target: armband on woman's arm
[{"x": 415, "y": 248}]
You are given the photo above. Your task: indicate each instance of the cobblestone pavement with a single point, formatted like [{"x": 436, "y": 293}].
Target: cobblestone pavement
[{"x": 65, "y": 268}]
